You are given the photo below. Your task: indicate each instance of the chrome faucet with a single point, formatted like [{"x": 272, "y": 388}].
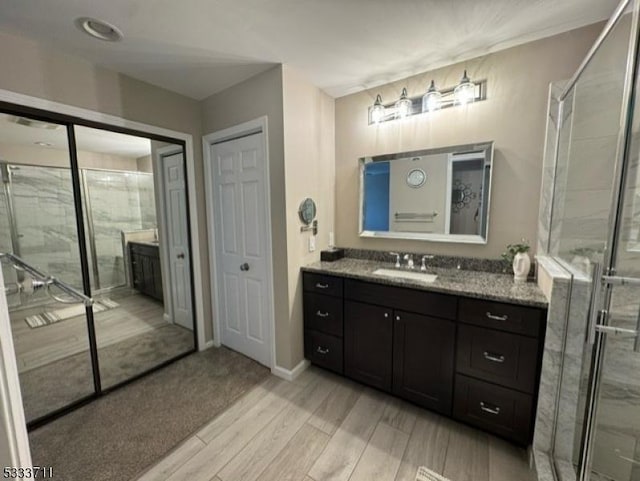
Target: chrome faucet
[
  {"x": 397, "y": 259},
  {"x": 409, "y": 259},
  {"x": 423, "y": 267}
]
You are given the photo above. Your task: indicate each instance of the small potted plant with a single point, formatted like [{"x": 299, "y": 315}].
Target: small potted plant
[{"x": 516, "y": 255}]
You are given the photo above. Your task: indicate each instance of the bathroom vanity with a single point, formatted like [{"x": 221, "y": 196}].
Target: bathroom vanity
[
  {"x": 145, "y": 268},
  {"x": 468, "y": 345}
]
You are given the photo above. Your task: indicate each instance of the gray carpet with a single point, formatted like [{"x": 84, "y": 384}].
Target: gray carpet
[
  {"x": 120, "y": 435},
  {"x": 55, "y": 385}
]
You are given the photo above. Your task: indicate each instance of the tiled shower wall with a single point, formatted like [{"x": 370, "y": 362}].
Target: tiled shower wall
[{"x": 45, "y": 217}]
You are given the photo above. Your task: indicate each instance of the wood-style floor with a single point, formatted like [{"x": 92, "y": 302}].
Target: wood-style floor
[
  {"x": 37, "y": 347},
  {"x": 322, "y": 427}
]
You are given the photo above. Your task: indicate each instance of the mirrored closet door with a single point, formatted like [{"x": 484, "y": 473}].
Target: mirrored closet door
[{"x": 95, "y": 247}]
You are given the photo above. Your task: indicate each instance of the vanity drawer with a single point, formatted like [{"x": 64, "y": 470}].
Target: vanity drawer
[
  {"x": 496, "y": 409},
  {"x": 507, "y": 359},
  {"x": 328, "y": 285},
  {"x": 323, "y": 350},
  {"x": 504, "y": 317},
  {"x": 323, "y": 313},
  {"x": 409, "y": 300}
]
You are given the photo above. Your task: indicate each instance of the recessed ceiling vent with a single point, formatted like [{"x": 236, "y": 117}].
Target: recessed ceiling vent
[
  {"x": 99, "y": 29},
  {"x": 36, "y": 124}
]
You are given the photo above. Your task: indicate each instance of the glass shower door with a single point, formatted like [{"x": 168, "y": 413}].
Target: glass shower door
[
  {"x": 612, "y": 446},
  {"x": 590, "y": 141}
]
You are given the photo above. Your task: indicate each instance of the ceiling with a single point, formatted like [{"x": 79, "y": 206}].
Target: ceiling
[
  {"x": 199, "y": 47},
  {"x": 87, "y": 139}
]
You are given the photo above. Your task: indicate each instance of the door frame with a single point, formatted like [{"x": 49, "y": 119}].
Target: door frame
[
  {"x": 255, "y": 126},
  {"x": 163, "y": 232},
  {"x": 114, "y": 121}
]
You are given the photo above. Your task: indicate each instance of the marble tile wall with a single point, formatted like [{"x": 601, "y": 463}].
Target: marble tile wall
[
  {"x": 558, "y": 399},
  {"x": 46, "y": 219},
  {"x": 120, "y": 201},
  {"x": 46, "y": 222}
]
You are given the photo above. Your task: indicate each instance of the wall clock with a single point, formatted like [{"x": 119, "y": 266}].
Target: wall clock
[{"x": 416, "y": 178}]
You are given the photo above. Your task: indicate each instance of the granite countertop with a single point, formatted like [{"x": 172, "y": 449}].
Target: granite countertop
[
  {"x": 484, "y": 285},
  {"x": 145, "y": 243}
]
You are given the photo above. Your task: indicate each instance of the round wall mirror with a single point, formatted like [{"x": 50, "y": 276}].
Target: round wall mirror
[{"x": 307, "y": 211}]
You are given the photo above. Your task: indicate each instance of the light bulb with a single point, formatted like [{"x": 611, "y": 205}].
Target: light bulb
[
  {"x": 465, "y": 92},
  {"x": 431, "y": 100},
  {"x": 403, "y": 105},
  {"x": 378, "y": 110}
]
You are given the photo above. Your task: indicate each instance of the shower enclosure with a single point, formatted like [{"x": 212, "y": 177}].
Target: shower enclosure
[
  {"x": 593, "y": 222},
  {"x": 41, "y": 232}
]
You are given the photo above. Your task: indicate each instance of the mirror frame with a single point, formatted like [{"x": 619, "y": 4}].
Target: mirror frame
[{"x": 487, "y": 147}]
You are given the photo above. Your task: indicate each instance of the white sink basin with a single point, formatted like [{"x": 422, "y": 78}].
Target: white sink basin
[{"x": 416, "y": 276}]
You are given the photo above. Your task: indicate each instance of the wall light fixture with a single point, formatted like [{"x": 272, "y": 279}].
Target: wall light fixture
[{"x": 464, "y": 93}]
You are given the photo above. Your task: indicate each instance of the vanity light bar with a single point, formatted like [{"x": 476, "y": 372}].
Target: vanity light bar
[{"x": 447, "y": 99}]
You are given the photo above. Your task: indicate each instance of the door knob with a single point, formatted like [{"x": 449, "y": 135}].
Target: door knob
[
  {"x": 244, "y": 267},
  {"x": 180, "y": 256}
]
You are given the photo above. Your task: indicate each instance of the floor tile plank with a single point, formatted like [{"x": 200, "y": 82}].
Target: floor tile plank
[
  {"x": 293, "y": 462},
  {"x": 267, "y": 444},
  {"x": 342, "y": 453},
  {"x": 241, "y": 406},
  {"x": 467, "y": 455},
  {"x": 221, "y": 449},
  {"x": 508, "y": 462},
  {"x": 382, "y": 456},
  {"x": 400, "y": 415},
  {"x": 336, "y": 406},
  {"x": 427, "y": 446},
  {"x": 174, "y": 460}
]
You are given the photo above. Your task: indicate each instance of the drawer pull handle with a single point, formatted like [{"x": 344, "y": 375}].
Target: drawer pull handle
[
  {"x": 322, "y": 286},
  {"x": 493, "y": 357},
  {"x": 322, "y": 314},
  {"x": 497, "y": 318},
  {"x": 495, "y": 410},
  {"x": 322, "y": 350}
]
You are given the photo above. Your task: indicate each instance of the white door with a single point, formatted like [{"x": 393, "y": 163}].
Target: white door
[
  {"x": 178, "y": 242},
  {"x": 240, "y": 203}
]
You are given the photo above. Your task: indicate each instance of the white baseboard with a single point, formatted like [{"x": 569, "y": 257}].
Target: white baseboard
[
  {"x": 208, "y": 345},
  {"x": 167, "y": 318},
  {"x": 292, "y": 374}
]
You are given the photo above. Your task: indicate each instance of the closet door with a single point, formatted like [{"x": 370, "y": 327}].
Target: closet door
[{"x": 39, "y": 232}]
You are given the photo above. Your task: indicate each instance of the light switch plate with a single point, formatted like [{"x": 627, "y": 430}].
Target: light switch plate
[{"x": 312, "y": 243}]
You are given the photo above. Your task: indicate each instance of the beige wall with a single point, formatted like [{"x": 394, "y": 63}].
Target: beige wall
[
  {"x": 256, "y": 97},
  {"x": 41, "y": 72},
  {"x": 309, "y": 153},
  {"x": 513, "y": 116}
]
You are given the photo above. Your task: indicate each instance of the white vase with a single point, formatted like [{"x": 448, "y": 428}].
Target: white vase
[{"x": 521, "y": 267}]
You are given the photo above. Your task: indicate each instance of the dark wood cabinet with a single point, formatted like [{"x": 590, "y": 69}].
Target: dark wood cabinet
[
  {"x": 497, "y": 409},
  {"x": 368, "y": 334},
  {"x": 145, "y": 269},
  {"x": 423, "y": 357},
  {"x": 473, "y": 359}
]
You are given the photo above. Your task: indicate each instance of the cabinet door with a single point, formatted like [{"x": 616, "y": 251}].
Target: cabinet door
[
  {"x": 157, "y": 279},
  {"x": 423, "y": 353},
  {"x": 368, "y": 332},
  {"x": 136, "y": 271}
]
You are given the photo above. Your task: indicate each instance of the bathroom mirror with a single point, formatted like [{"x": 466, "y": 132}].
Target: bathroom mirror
[
  {"x": 307, "y": 211},
  {"x": 437, "y": 195}
]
